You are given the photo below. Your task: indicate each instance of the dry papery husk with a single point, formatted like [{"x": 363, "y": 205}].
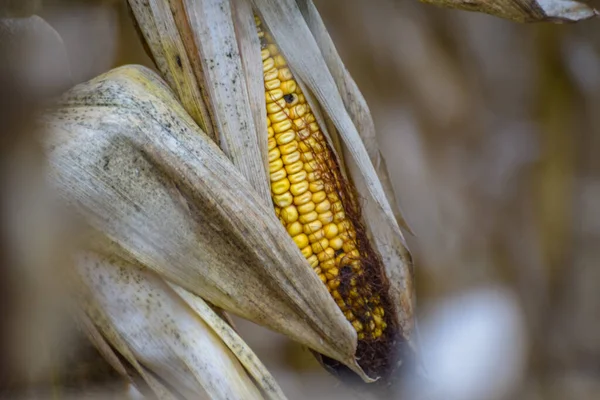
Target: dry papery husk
[
  {"x": 172, "y": 338},
  {"x": 221, "y": 35},
  {"x": 127, "y": 156}
]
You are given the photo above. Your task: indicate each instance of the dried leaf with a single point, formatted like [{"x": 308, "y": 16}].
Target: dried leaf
[
  {"x": 234, "y": 342},
  {"x": 162, "y": 333},
  {"x": 206, "y": 27},
  {"x": 167, "y": 46},
  {"x": 525, "y": 10}
]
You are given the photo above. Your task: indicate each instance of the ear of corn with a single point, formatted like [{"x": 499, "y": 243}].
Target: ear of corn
[
  {"x": 306, "y": 186},
  {"x": 135, "y": 165}
]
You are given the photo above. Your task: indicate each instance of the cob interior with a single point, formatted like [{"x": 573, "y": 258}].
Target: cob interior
[{"x": 320, "y": 210}]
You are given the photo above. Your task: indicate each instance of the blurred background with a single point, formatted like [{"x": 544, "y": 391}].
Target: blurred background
[{"x": 491, "y": 132}]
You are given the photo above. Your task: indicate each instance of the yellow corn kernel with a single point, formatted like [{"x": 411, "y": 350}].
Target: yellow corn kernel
[
  {"x": 358, "y": 326},
  {"x": 320, "y": 245},
  {"x": 327, "y": 264},
  {"x": 275, "y": 107},
  {"x": 313, "y": 260},
  {"x": 298, "y": 188},
  {"x": 271, "y": 74},
  {"x": 294, "y": 229},
  {"x": 280, "y": 186},
  {"x": 297, "y": 112},
  {"x": 272, "y": 84},
  {"x": 314, "y": 176},
  {"x": 278, "y": 116},
  {"x": 331, "y": 231},
  {"x": 283, "y": 200},
  {"x": 273, "y": 95},
  {"x": 331, "y": 273},
  {"x": 306, "y": 208},
  {"x": 336, "y": 243},
  {"x": 325, "y": 217},
  {"x": 339, "y": 216},
  {"x": 268, "y": 64},
  {"x": 288, "y": 86},
  {"x": 297, "y": 177},
  {"x": 326, "y": 255},
  {"x": 276, "y": 165},
  {"x": 291, "y": 158},
  {"x": 319, "y": 197},
  {"x": 274, "y": 154},
  {"x": 294, "y": 168},
  {"x": 279, "y": 61},
  {"x": 289, "y": 214},
  {"x": 281, "y": 127},
  {"x": 264, "y": 54},
  {"x": 349, "y": 246},
  {"x": 308, "y": 217},
  {"x": 289, "y": 148},
  {"x": 307, "y": 251},
  {"x": 344, "y": 226},
  {"x": 285, "y": 74},
  {"x": 336, "y": 206},
  {"x": 311, "y": 228},
  {"x": 278, "y": 175},
  {"x": 317, "y": 186},
  {"x": 315, "y": 235},
  {"x": 311, "y": 166},
  {"x": 323, "y": 206},
  {"x": 308, "y": 156},
  {"x": 302, "y": 199},
  {"x": 301, "y": 240}
]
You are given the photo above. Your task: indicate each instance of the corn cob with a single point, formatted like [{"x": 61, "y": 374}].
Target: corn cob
[{"x": 313, "y": 201}]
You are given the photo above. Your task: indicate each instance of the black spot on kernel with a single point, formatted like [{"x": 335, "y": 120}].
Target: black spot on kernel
[
  {"x": 263, "y": 43},
  {"x": 288, "y": 98}
]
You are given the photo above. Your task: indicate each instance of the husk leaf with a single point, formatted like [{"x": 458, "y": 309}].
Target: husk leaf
[
  {"x": 167, "y": 47},
  {"x": 354, "y": 101},
  {"x": 249, "y": 46},
  {"x": 234, "y": 342},
  {"x": 163, "y": 334},
  {"x": 126, "y": 154},
  {"x": 207, "y": 30}
]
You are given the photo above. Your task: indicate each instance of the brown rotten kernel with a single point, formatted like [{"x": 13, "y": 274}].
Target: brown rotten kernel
[{"x": 320, "y": 211}]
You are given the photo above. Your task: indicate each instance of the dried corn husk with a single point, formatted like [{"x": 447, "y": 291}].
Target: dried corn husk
[
  {"x": 133, "y": 162},
  {"x": 159, "y": 334}
]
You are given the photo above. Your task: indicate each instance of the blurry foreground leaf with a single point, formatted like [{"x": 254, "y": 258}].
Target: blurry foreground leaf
[{"x": 525, "y": 10}]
